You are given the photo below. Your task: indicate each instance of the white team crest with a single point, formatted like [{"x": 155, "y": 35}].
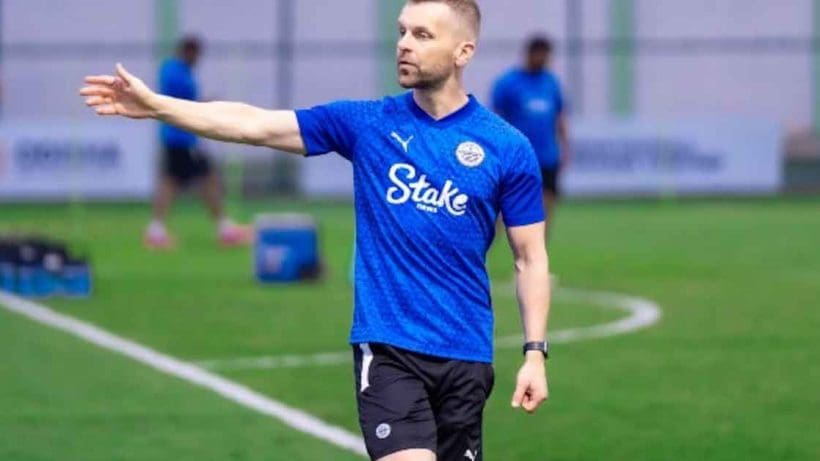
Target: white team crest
[
  {"x": 383, "y": 431},
  {"x": 470, "y": 154}
]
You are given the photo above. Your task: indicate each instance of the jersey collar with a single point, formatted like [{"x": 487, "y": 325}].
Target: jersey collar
[{"x": 457, "y": 116}]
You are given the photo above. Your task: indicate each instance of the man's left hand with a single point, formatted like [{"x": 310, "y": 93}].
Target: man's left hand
[{"x": 531, "y": 388}]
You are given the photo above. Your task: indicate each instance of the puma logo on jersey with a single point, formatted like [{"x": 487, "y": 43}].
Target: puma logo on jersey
[
  {"x": 422, "y": 193},
  {"x": 471, "y": 455},
  {"x": 404, "y": 143}
]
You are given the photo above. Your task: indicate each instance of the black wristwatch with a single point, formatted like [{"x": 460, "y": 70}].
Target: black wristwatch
[{"x": 541, "y": 346}]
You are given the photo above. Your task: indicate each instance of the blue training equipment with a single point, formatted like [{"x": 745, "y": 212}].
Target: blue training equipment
[
  {"x": 34, "y": 267},
  {"x": 286, "y": 249}
]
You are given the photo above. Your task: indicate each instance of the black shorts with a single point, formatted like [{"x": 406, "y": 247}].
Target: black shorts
[
  {"x": 408, "y": 400},
  {"x": 549, "y": 176},
  {"x": 184, "y": 165}
]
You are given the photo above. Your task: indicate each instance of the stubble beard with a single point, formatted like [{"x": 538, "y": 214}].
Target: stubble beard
[{"x": 420, "y": 80}]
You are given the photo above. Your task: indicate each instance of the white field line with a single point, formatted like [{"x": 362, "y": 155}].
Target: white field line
[
  {"x": 643, "y": 313},
  {"x": 189, "y": 372}
]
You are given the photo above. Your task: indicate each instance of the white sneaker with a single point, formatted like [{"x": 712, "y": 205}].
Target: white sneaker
[{"x": 158, "y": 238}]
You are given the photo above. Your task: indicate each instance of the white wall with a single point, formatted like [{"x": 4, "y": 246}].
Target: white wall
[{"x": 770, "y": 84}]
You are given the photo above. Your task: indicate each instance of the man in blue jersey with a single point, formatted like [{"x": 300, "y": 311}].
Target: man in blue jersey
[
  {"x": 432, "y": 171},
  {"x": 183, "y": 162},
  {"x": 530, "y": 99}
]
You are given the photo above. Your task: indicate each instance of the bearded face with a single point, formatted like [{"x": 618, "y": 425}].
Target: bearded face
[{"x": 430, "y": 39}]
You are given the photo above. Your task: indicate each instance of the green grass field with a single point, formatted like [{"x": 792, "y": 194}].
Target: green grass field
[{"x": 732, "y": 371}]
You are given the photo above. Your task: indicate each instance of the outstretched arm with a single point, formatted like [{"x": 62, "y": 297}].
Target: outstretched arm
[
  {"x": 533, "y": 291},
  {"x": 126, "y": 95}
]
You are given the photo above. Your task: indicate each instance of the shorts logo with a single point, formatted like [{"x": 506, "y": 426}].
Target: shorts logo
[
  {"x": 383, "y": 431},
  {"x": 470, "y": 154},
  {"x": 471, "y": 455}
]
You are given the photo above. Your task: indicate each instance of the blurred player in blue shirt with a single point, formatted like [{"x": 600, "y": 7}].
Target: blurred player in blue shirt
[
  {"x": 183, "y": 162},
  {"x": 530, "y": 99},
  {"x": 432, "y": 171}
]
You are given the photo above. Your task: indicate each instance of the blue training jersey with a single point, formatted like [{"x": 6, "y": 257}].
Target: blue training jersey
[
  {"x": 427, "y": 195},
  {"x": 531, "y": 102},
  {"x": 176, "y": 79}
]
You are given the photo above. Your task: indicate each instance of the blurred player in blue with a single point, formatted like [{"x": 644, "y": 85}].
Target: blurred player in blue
[
  {"x": 432, "y": 171},
  {"x": 530, "y": 99},
  {"x": 183, "y": 162}
]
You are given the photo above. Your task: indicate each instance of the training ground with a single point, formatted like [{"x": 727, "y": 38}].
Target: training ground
[{"x": 190, "y": 359}]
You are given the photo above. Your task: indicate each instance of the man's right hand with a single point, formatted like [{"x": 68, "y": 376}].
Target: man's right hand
[{"x": 123, "y": 94}]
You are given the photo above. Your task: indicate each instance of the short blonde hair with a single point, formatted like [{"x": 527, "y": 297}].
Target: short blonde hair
[{"x": 467, "y": 9}]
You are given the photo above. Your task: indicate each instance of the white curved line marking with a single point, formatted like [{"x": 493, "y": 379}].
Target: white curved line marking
[
  {"x": 269, "y": 362},
  {"x": 242, "y": 395},
  {"x": 643, "y": 313}
]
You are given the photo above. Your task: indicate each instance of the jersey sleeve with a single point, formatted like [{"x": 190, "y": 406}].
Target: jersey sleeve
[
  {"x": 521, "y": 188},
  {"x": 332, "y": 127},
  {"x": 499, "y": 98}
]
